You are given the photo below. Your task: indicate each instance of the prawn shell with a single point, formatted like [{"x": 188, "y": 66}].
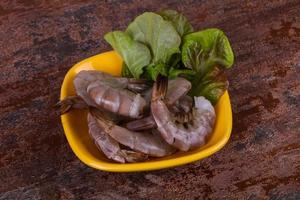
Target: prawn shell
[
  {"x": 141, "y": 124},
  {"x": 123, "y": 102},
  {"x": 82, "y": 81}
]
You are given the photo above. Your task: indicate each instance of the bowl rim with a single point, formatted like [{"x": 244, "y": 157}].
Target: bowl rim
[{"x": 141, "y": 166}]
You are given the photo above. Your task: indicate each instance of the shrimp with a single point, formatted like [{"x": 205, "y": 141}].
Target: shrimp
[
  {"x": 182, "y": 137},
  {"x": 84, "y": 78},
  {"x": 176, "y": 99},
  {"x": 111, "y": 147},
  {"x": 147, "y": 143},
  {"x": 101, "y": 90}
]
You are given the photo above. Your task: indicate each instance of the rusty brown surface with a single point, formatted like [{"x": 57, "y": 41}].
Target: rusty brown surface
[{"x": 41, "y": 40}]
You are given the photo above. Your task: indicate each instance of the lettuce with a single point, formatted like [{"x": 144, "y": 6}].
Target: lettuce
[
  {"x": 207, "y": 53},
  {"x": 178, "y": 20},
  {"x": 158, "y": 34},
  {"x": 212, "y": 86},
  {"x": 165, "y": 44},
  {"x": 135, "y": 55}
]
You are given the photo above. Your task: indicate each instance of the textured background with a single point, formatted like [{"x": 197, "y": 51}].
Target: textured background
[{"x": 41, "y": 40}]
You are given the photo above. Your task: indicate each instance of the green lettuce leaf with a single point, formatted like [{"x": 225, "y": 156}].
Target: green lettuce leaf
[
  {"x": 152, "y": 71},
  {"x": 125, "y": 71},
  {"x": 158, "y": 34},
  {"x": 204, "y": 49},
  {"x": 174, "y": 60},
  {"x": 208, "y": 53},
  {"x": 178, "y": 20},
  {"x": 212, "y": 86},
  {"x": 135, "y": 55},
  {"x": 186, "y": 73}
]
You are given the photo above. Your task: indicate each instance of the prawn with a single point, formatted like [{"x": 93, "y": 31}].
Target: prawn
[
  {"x": 176, "y": 99},
  {"x": 182, "y": 137},
  {"x": 147, "y": 143},
  {"x": 101, "y": 90},
  {"x": 84, "y": 78},
  {"x": 110, "y": 147}
]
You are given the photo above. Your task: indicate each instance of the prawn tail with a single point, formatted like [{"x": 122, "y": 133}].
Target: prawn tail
[
  {"x": 138, "y": 85},
  {"x": 70, "y": 102},
  {"x": 141, "y": 124},
  {"x": 104, "y": 117},
  {"x": 160, "y": 87},
  {"x": 133, "y": 156},
  {"x": 99, "y": 114}
]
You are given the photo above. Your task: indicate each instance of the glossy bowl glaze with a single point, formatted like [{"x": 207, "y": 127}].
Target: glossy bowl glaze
[{"x": 76, "y": 129}]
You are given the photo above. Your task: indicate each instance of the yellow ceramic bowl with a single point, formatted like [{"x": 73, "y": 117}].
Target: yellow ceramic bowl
[{"x": 76, "y": 129}]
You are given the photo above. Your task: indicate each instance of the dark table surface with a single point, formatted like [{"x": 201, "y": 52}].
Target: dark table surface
[{"x": 41, "y": 40}]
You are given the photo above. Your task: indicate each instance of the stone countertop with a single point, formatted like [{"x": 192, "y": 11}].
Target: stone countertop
[{"x": 41, "y": 40}]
